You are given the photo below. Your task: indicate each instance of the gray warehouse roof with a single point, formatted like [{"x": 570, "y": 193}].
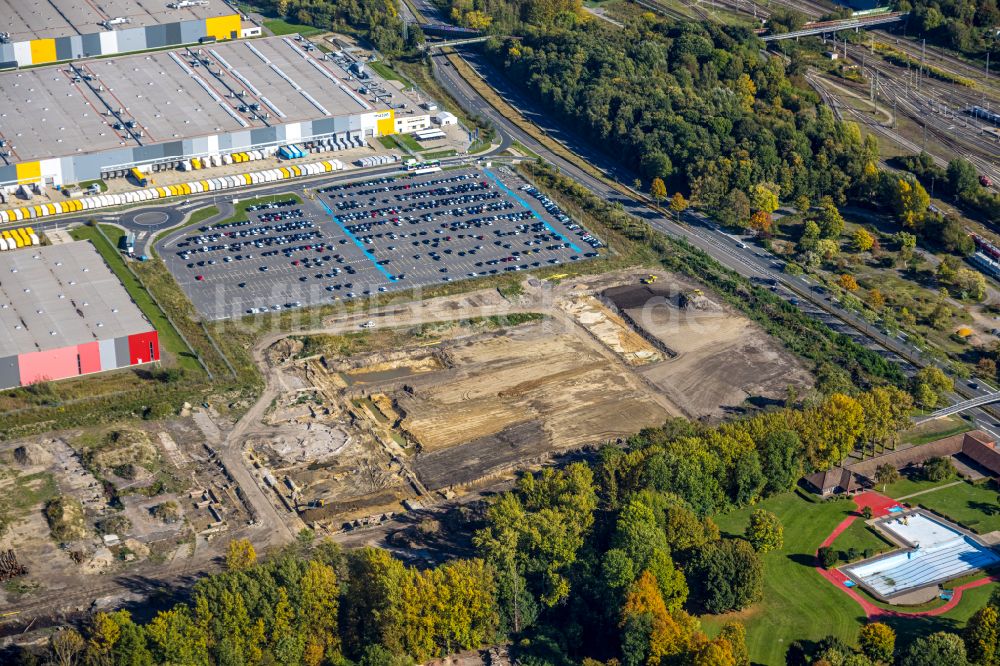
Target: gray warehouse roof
[
  {"x": 60, "y": 295},
  {"x": 49, "y": 114},
  {"x": 32, "y": 19}
]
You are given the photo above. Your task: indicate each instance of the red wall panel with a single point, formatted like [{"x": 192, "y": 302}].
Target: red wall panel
[
  {"x": 139, "y": 347},
  {"x": 90, "y": 357},
  {"x": 50, "y": 364}
]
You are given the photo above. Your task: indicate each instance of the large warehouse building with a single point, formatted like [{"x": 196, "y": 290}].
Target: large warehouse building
[
  {"x": 63, "y": 313},
  {"x": 81, "y": 121},
  {"x": 35, "y": 32}
]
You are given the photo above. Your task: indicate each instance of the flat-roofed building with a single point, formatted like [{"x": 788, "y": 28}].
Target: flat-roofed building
[
  {"x": 63, "y": 313},
  {"x": 44, "y": 31},
  {"x": 91, "y": 119}
]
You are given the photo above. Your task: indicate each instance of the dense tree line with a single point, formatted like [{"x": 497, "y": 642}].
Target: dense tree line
[
  {"x": 379, "y": 20},
  {"x": 966, "y": 27},
  {"x": 959, "y": 180},
  {"x": 610, "y": 559},
  {"x": 697, "y": 105}
]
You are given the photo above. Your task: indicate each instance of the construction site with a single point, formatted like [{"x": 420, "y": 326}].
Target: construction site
[
  {"x": 420, "y": 407},
  {"x": 123, "y": 499}
]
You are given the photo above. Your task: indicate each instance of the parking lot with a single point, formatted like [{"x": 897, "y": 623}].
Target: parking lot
[{"x": 362, "y": 238}]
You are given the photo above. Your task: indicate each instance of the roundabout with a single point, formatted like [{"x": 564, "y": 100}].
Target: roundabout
[{"x": 151, "y": 218}]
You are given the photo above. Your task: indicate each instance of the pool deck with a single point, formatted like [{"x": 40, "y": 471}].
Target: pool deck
[
  {"x": 880, "y": 505},
  {"x": 933, "y": 535}
]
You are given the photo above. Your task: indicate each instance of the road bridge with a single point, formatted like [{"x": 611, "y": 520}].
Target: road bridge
[
  {"x": 825, "y": 27},
  {"x": 958, "y": 407},
  {"x": 427, "y": 46}
]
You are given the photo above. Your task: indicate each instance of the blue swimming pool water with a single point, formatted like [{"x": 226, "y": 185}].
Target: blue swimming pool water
[{"x": 940, "y": 553}]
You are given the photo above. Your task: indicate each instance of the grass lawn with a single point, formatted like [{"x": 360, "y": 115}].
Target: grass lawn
[
  {"x": 407, "y": 141},
  {"x": 907, "y": 486},
  {"x": 388, "y": 142},
  {"x": 385, "y": 71},
  {"x": 798, "y": 604},
  {"x": 240, "y": 212},
  {"x": 862, "y": 539},
  {"x": 87, "y": 183},
  {"x": 972, "y": 505},
  {"x": 168, "y": 335},
  {"x": 283, "y": 27},
  {"x": 935, "y": 430},
  {"x": 197, "y": 217},
  {"x": 438, "y": 154}
]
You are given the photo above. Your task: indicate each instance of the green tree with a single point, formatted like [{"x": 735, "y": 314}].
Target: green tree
[
  {"x": 285, "y": 643},
  {"x": 971, "y": 283},
  {"x": 938, "y": 649},
  {"x": 980, "y": 636},
  {"x": 937, "y": 469},
  {"x": 878, "y": 642},
  {"x": 930, "y": 386},
  {"x": 639, "y": 537},
  {"x": 962, "y": 176},
  {"x": 831, "y": 222},
  {"x": 781, "y": 460},
  {"x": 174, "y": 638},
  {"x": 378, "y": 655},
  {"x": 678, "y": 204},
  {"x": 765, "y": 197},
  {"x": 318, "y": 606},
  {"x": 862, "y": 240},
  {"x": 539, "y": 528},
  {"x": 726, "y": 575},
  {"x": 908, "y": 200},
  {"x": 371, "y": 613},
  {"x": 886, "y": 474},
  {"x": 738, "y": 206},
  {"x": 658, "y": 190},
  {"x": 764, "y": 531},
  {"x": 240, "y": 555},
  {"x": 907, "y": 244}
]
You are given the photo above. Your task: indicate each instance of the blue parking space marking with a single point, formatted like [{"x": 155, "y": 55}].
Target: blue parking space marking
[
  {"x": 371, "y": 257},
  {"x": 524, "y": 203}
]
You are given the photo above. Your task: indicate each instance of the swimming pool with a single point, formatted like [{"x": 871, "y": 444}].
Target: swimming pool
[{"x": 937, "y": 553}]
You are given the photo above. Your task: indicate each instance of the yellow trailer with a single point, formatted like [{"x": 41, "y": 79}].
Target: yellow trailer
[
  {"x": 284, "y": 172},
  {"x": 195, "y": 163}
]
